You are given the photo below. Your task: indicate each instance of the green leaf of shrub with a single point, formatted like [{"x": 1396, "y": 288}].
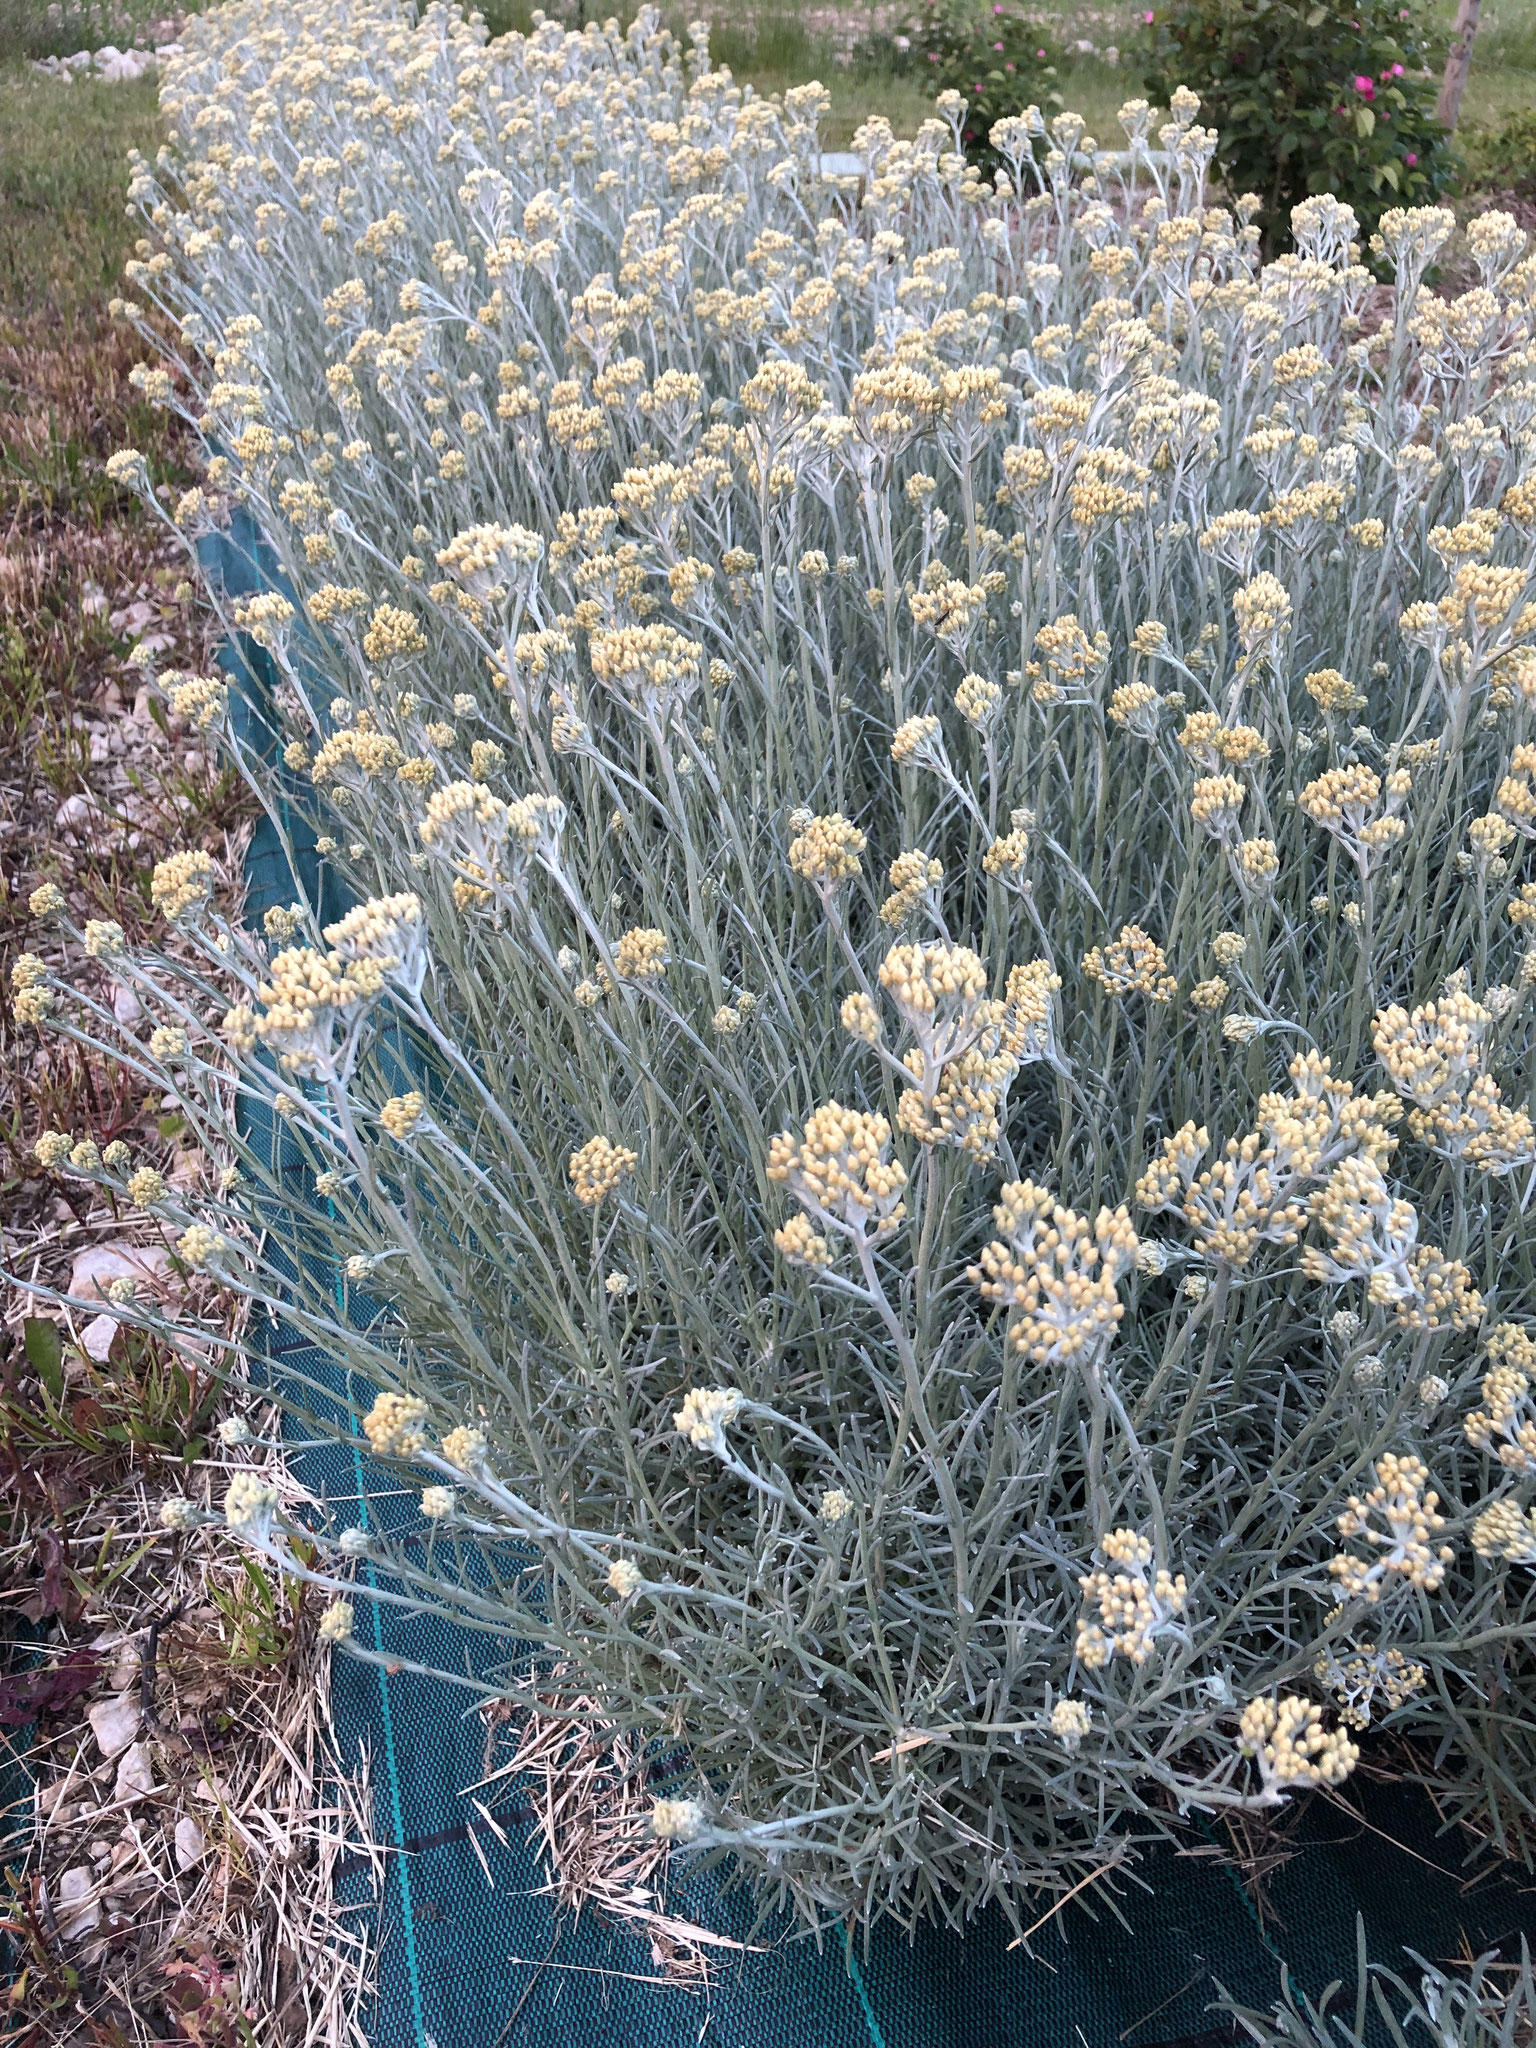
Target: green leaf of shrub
[{"x": 45, "y": 1354}]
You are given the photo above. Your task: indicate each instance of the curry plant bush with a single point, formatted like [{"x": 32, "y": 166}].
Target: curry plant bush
[{"x": 918, "y": 1133}]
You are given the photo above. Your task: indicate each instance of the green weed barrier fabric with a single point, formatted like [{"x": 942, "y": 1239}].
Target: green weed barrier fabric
[{"x": 472, "y": 1956}]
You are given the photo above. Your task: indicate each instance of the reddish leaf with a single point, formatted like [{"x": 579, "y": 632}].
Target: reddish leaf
[{"x": 46, "y": 1692}]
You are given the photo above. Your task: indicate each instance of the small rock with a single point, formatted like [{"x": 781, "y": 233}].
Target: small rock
[
  {"x": 126, "y": 1007},
  {"x": 96, "y": 1268},
  {"x": 76, "y": 815},
  {"x": 191, "y": 1843},
  {"x": 114, "y": 1722},
  {"x": 194, "y": 762},
  {"x": 135, "y": 1774},
  {"x": 78, "y": 1911},
  {"x": 96, "y": 1337}
]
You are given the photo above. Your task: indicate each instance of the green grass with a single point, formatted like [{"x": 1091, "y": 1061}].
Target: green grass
[
  {"x": 63, "y": 231},
  {"x": 1503, "y": 77}
]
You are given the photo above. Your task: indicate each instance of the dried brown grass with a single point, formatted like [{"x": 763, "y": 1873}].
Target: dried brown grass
[{"x": 588, "y": 1785}]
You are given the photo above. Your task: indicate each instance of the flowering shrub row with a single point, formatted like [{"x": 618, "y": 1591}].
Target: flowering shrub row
[{"x": 935, "y": 776}]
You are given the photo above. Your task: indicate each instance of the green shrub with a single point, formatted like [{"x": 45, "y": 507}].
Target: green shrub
[
  {"x": 1000, "y": 58},
  {"x": 1308, "y": 98},
  {"x": 1501, "y": 157}
]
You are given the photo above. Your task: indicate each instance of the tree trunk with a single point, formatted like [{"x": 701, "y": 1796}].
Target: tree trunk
[{"x": 1458, "y": 63}]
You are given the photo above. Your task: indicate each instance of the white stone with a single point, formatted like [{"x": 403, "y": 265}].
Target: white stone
[
  {"x": 191, "y": 1843},
  {"x": 77, "y": 1910},
  {"x": 76, "y": 816},
  {"x": 114, "y": 1722},
  {"x": 126, "y": 1007},
  {"x": 95, "y": 1268},
  {"x": 135, "y": 1774},
  {"x": 96, "y": 1337}
]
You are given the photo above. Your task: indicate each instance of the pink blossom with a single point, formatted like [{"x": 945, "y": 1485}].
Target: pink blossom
[
  {"x": 1365, "y": 86},
  {"x": 1397, "y": 70},
  {"x": 1040, "y": 54},
  {"x": 1149, "y": 16},
  {"x": 1411, "y": 158}
]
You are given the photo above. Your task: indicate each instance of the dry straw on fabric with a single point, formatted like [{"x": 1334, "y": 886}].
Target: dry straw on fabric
[{"x": 922, "y": 1122}]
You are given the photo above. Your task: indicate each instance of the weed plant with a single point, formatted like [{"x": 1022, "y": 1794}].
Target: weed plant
[{"x": 921, "y": 1125}]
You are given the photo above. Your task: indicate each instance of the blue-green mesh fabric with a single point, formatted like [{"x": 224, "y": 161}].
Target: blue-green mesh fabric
[{"x": 472, "y": 1956}]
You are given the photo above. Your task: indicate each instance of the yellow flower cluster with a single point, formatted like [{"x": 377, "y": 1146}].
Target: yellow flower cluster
[
  {"x": 840, "y": 1169},
  {"x": 641, "y": 954},
  {"x": 181, "y": 884},
  {"x": 1056, "y": 1274},
  {"x": 1507, "y": 1409},
  {"x": 826, "y": 850},
  {"x": 1403, "y": 1500},
  {"x": 1359, "y": 808},
  {"x": 403, "y": 1113},
  {"x": 393, "y": 635},
  {"x": 1257, "y": 1192},
  {"x": 706, "y": 1414},
  {"x": 1133, "y": 1608},
  {"x": 1435, "y": 1057},
  {"x": 306, "y": 995},
  {"x": 597, "y": 1168},
  {"x": 200, "y": 700},
  {"x": 394, "y": 1425},
  {"x": 1133, "y": 964},
  {"x": 1502, "y": 1533},
  {"x": 1357, "y": 1679},
  {"x": 912, "y": 877},
  {"x": 1287, "y": 1740}
]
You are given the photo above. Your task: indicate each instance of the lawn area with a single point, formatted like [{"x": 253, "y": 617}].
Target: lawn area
[{"x": 63, "y": 234}]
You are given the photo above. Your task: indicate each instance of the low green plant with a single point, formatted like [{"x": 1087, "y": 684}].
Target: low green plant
[
  {"x": 1310, "y": 96},
  {"x": 1501, "y": 155},
  {"x": 261, "y": 1613}
]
